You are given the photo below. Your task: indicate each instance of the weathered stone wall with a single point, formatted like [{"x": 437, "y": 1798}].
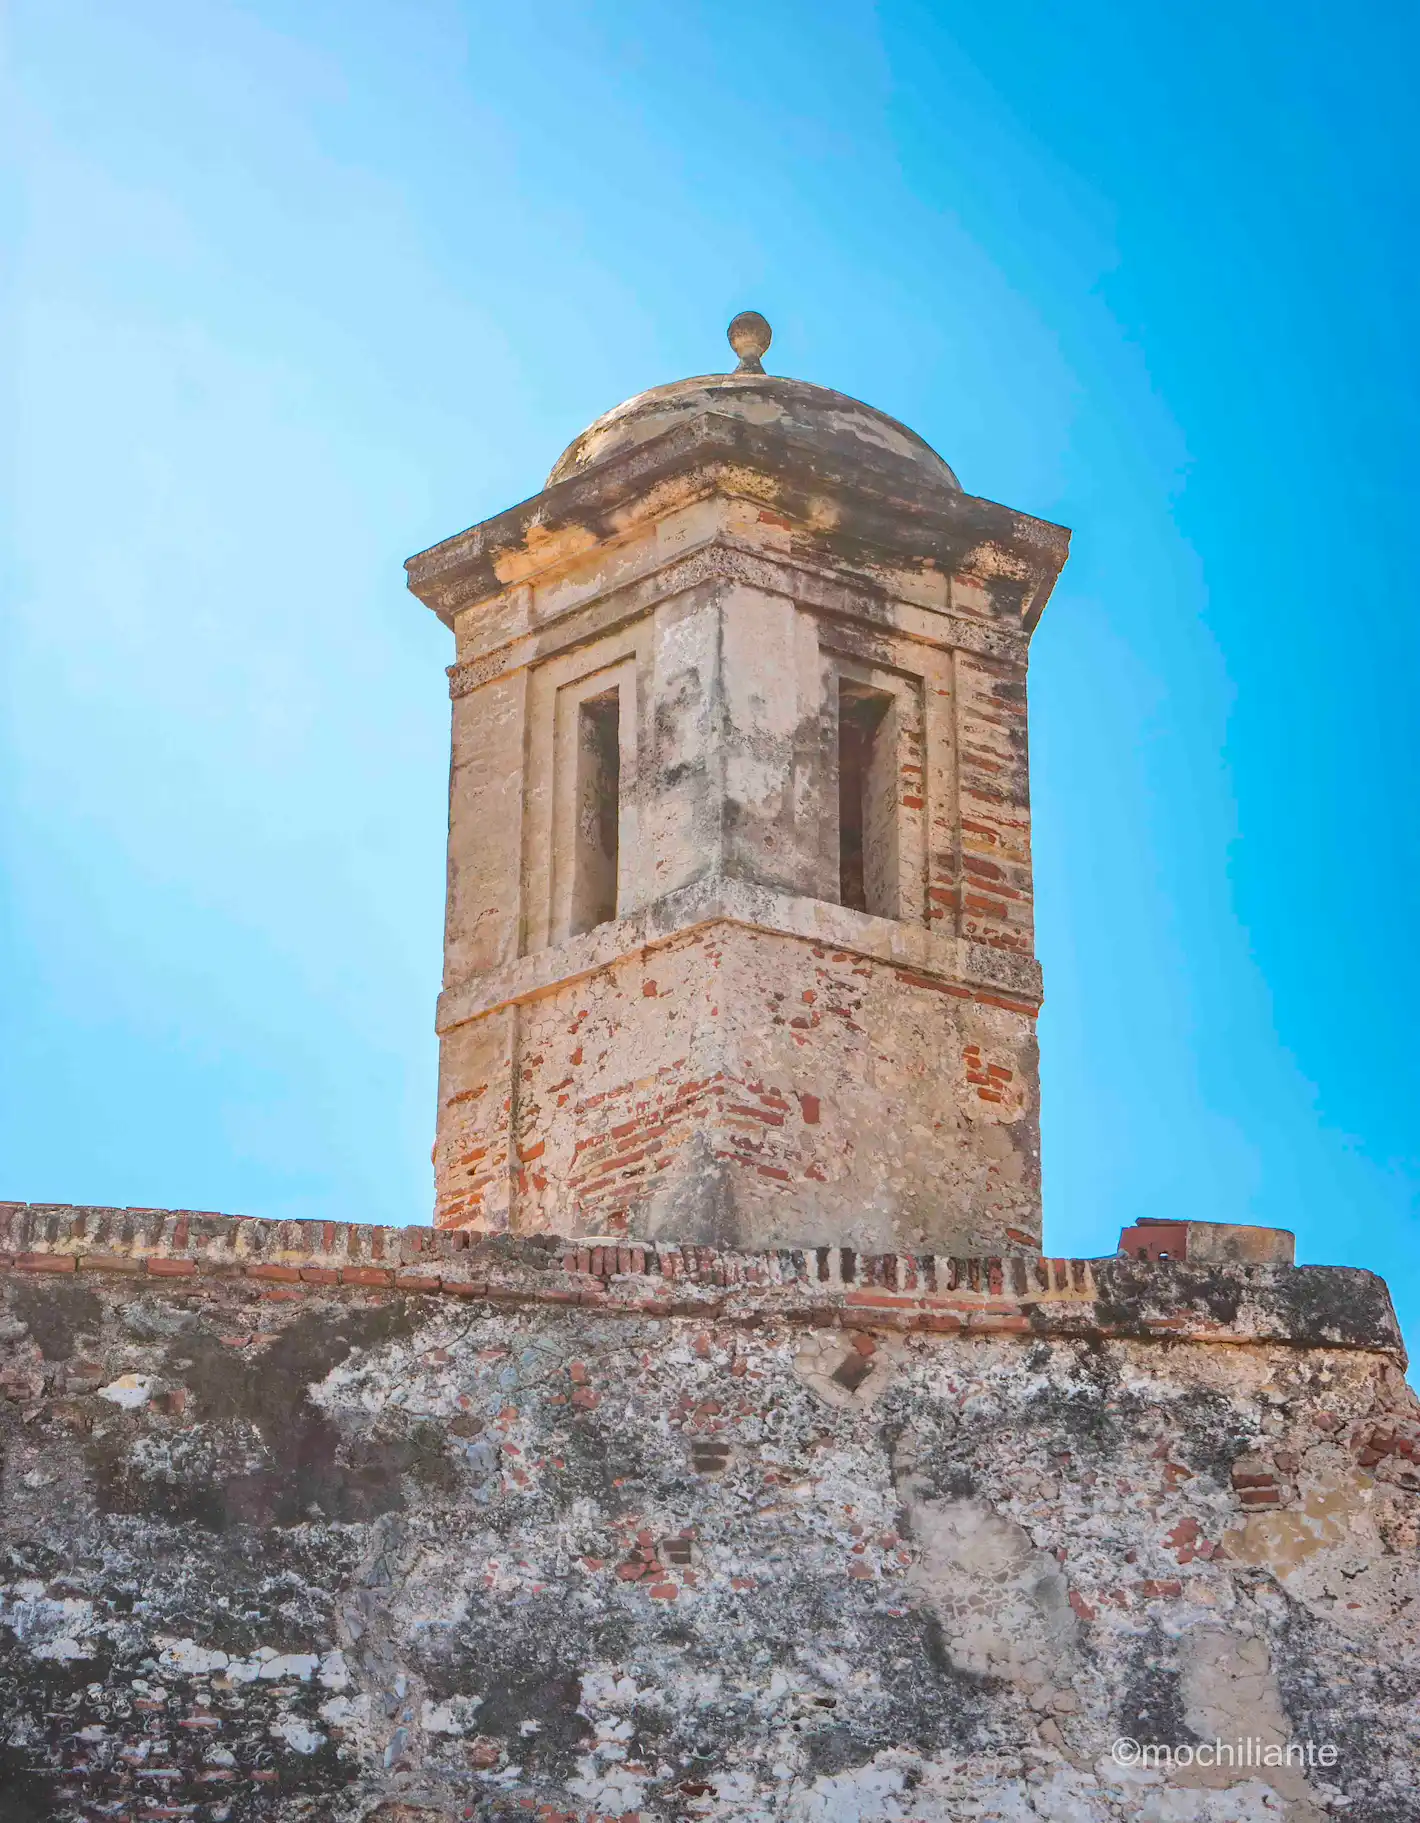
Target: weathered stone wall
[
  {"x": 321, "y": 1522},
  {"x": 737, "y": 1087}
]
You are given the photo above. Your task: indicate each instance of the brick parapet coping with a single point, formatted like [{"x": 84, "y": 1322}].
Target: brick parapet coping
[{"x": 1016, "y": 1294}]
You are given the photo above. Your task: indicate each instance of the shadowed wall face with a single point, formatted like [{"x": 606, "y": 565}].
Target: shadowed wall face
[{"x": 739, "y": 941}]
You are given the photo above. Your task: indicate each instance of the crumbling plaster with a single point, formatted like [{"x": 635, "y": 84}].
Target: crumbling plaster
[{"x": 738, "y": 1537}]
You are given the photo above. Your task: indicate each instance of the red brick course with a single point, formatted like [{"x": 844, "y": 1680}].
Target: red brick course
[{"x": 1019, "y": 1295}]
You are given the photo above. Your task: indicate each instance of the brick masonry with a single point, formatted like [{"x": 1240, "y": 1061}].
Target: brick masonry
[
  {"x": 1018, "y": 1294},
  {"x": 782, "y": 1090}
]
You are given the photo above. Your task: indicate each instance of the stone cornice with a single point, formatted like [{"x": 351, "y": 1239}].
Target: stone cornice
[
  {"x": 879, "y": 504},
  {"x": 932, "y": 959},
  {"x": 1020, "y": 1295},
  {"x": 725, "y": 558}
]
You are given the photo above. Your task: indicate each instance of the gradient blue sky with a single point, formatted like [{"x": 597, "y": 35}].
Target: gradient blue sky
[{"x": 298, "y": 289}]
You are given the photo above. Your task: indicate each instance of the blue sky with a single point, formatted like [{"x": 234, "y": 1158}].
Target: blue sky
[{"x": 297, "y": 290}]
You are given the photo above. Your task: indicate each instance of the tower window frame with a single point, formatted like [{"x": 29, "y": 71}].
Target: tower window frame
[
  {"x": 867, "y": 800},
  {"x": 876, "y": 851},
  {"x": 584, "y": 844},
  {"x": 597, "y": 832}
]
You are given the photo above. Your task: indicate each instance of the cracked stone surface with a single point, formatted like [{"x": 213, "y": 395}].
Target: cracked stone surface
[{"x": 344, "y": 1554}]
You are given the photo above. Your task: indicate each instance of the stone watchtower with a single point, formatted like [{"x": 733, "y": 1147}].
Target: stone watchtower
[
  {"x": 869, "y": 1512},
  {"x": 739, "y": 943}
]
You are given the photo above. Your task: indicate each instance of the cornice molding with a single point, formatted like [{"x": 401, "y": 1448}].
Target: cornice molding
[
  {"x": 973, "y": 971},
  {"x": 878, "y": 504},
  {"x": 726, "y": 559}
]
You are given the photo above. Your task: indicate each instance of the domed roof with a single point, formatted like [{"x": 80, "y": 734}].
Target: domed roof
[{"x": 831, "y": 420}]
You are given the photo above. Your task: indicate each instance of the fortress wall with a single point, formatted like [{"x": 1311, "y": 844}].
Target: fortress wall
[{"x": 328, "y": 1522}]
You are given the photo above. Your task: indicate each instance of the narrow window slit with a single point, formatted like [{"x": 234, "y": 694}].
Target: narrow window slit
[
  {"x": 867, "y": 801},
  {"x": 594, "y": 886}
]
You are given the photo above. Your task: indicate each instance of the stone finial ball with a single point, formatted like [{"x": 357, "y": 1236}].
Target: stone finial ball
[{"x": 750, "y": 336}]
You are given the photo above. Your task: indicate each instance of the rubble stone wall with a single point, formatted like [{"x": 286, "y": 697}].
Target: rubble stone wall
[{"x": 310, "y": 1521}]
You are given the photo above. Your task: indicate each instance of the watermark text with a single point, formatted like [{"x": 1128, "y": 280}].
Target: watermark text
[{"x": 1246, "y": 1752}]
